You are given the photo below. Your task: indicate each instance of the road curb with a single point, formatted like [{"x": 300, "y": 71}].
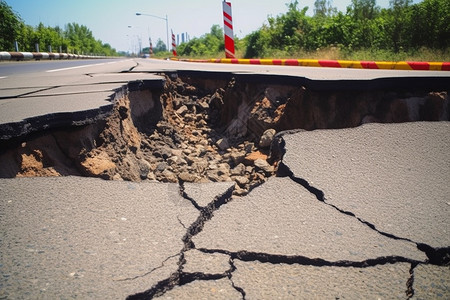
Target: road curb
[
  {"x": 4, "y": 55},
  {"x": 400, "y": 65}
]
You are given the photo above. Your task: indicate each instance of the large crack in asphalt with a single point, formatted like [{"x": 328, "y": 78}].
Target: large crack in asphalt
[
  {"x": 263, "y": 257},
  {"x": 436, "y": 256},
  {"x": 179, "y": 278},
  {"x": 410, "y": 282}
]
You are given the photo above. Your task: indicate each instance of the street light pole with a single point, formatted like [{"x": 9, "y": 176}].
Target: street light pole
[{"x": 165, "y": 19}]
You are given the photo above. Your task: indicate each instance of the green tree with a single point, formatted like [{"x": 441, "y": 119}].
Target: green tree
[
  {"x": 25, "y": 38},
  {"x": 10, "y": 24},
  {"x": 398, "y": 20},
  {"x": 258, "y": 42},
  {"x": 286, "y": 33},
  {"x": 324, "y": 9},
  {"x": 429, "y": 24},
  {"x": 47, "y": 37},
  {"x": 289, "y": 31},
  {"x": 77, "y": 38},
  {"x": 160, "y": 46},
  {"x": 209, "y": 44},
  {"x": 363, "y": 14}
]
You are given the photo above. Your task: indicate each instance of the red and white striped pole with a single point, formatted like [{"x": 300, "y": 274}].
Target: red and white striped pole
[
  {"x": 150, "y": 51},
  {"x": 228, "y": 30},
  {"x": 174, "y": 45}
]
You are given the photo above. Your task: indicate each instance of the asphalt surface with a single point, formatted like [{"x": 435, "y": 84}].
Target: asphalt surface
[
  {"x": 87, "y": 238},
  {"x": 357, "y": 213},
  {"x": 38, "y": 95}
]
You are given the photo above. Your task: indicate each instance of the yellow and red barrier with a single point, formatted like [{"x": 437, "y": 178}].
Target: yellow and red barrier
[
  {"x": 356, "y": 64},
  {"x": 400, "y": 65}
]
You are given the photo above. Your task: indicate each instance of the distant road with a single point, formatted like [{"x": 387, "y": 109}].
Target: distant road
[
  {"x": 55, "y": 67},
  {"x": 9, "y": 68},
  {"x": 34, "y": 95}
]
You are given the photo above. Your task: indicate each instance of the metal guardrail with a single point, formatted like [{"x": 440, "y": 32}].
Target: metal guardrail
[{"x": 4, "y": 55}]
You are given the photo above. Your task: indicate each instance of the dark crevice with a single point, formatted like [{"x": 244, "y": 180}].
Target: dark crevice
[
  {"x": 130, "y": 69},
  {"x": 59, "y": 95},
  {"x": 60, "y": 147},
  {"x": 159, "y": 288},
  {"x": 206, "y": 213},
  {"x": 164, "y": 285},
  {"x": 230, "y": 277},
  {"x": 436, "y": 256},
  {"x": 186, "y": 196},
  {"x": 249, "y": 256},
  {"x": 180, "y": 278},
  {"x": 284, "y": 171},
  {"x": 181, "y": 223},
  {"x": 186, "y": 278},
  {"x": 410, "y": 282},
  {"x": 28, "y": 93}
]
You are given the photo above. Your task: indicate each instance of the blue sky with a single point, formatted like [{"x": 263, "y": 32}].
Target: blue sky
[{"x": 110, "y": 20}]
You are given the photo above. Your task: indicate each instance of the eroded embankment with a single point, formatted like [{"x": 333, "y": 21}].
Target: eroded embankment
[{"x": 202, "y": 129}]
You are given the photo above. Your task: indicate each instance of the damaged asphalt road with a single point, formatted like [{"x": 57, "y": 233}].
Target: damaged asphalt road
[
  {"x": 344, "y": 213},
  {"x": 353, "y": 213}
]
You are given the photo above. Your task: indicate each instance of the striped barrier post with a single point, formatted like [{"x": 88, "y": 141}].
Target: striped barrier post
[
  {"x": 150, "y": 51},
  {"x": 228, "y": 30},
  {"x": 174, "y": 46}
]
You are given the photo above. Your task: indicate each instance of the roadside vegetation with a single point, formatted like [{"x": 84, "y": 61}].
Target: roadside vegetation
[
  {"x": 73, "y": 38},
  {"x": 404, "y": 31}
]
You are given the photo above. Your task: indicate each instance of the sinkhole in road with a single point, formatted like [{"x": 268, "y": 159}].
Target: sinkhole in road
[{"x": 203, "y": 127}]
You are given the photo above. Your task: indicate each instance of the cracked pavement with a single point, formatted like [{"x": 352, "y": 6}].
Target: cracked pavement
[{"x": 353, "y": 213}]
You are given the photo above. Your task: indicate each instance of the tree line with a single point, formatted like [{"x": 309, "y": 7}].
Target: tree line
[
  {"x": 74, "y": 38},
  {"x": 403, "y": 27}
]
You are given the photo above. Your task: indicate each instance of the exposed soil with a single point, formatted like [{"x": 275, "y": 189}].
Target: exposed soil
[{"x": 202, "y": 130}]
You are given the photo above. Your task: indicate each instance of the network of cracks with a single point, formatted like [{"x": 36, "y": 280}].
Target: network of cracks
[{"x": 437, "y": 257}]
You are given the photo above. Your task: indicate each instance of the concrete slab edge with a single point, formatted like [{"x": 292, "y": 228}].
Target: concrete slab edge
[
  {"x": 49, "y": 121},
  {"x": 75, "y": 118}
]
